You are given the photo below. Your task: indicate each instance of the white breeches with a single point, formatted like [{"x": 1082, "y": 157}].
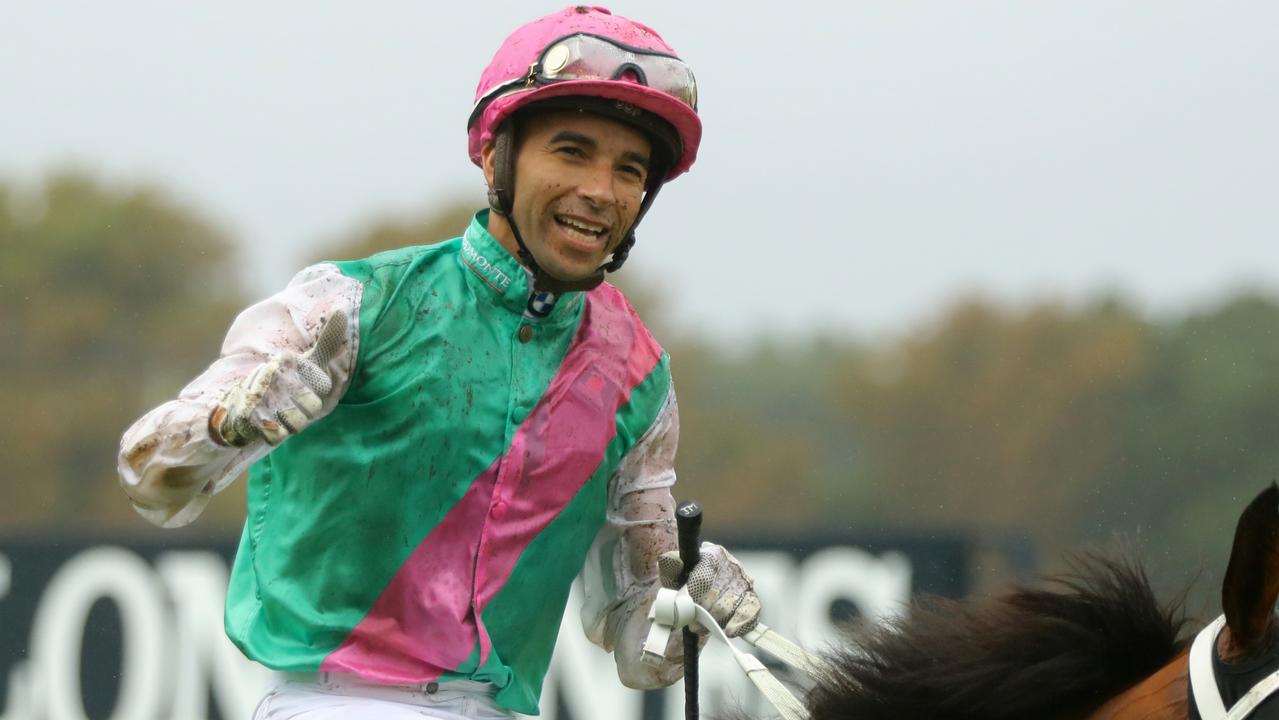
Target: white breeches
[{"x": 322, "y": 696}]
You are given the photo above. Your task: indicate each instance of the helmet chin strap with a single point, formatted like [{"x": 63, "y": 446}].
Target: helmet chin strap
[{"x": 501, "y": 199}]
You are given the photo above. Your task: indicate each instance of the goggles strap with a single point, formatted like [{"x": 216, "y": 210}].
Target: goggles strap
[
  {"x": 623, "y": 249},
  {"x": 502, "y": 200}
]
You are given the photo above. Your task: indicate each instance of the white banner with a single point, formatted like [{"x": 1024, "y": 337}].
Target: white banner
[{"x": 176, "y": 663}]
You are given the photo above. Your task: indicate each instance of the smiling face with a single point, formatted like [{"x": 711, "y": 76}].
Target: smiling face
[{"x": 579, "y": 180}]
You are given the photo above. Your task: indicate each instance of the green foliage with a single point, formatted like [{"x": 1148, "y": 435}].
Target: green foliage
[
  {"x": 1061, "y": 424},
  {"x": 110, "y": 300},
  {"x": 1200, "y": 432},
  {"x": 1004, "y": 418},
  {"x": 439, "y": 223},
  {"x": 763, "y": 441}
]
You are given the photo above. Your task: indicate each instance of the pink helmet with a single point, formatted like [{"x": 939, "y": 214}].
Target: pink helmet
[{"x": 588, "y": 51}]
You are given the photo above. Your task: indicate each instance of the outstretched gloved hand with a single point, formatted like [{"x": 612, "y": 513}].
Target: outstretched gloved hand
[
  {"x": 718, "y": 583},
  {"x": 282, "y": 395}
]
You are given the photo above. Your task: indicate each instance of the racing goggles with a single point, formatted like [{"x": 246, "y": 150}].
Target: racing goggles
[{"x": 591, "y": 57}]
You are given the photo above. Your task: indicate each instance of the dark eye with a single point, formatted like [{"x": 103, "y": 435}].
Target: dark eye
[
  {"x": 634, "y": 170},
  {"x": 571, "y": 151}
]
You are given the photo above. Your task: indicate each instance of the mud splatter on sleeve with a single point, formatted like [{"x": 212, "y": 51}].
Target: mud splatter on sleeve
[
  {"x": 168, "y": 464},
  {"x": 620, "y": 574}
]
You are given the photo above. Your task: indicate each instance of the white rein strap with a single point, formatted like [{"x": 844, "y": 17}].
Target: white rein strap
[
  {"x": 1203, "y": 682},
  {"x": 673, "y": 609},
  {"x": 767, "y": 639}
]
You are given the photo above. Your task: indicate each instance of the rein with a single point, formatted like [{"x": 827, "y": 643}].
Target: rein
[
  {"x": 1203, "y": 681},
  {"x": 675, "y": 609}
]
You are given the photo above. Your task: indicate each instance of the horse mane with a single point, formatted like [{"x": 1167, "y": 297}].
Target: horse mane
[{"x": 1057, "y": 651}]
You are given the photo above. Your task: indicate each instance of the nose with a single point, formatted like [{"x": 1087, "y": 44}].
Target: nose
[{"x": 597, "y": 184}]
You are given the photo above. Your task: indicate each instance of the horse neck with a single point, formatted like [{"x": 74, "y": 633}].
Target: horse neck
[{"x": 1161, "y": 696}]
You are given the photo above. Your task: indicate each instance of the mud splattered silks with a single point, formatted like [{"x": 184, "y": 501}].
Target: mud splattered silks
[{"x": 429, "y": 526}]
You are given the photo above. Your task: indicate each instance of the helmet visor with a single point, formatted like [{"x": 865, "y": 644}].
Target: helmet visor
[{"x": 590, "y": 57}]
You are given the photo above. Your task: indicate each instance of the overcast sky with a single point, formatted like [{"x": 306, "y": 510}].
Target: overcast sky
[{"x": 862, "y": 161}]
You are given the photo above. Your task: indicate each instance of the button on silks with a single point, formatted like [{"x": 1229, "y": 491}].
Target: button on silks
[{"x": 526, "y": 333}]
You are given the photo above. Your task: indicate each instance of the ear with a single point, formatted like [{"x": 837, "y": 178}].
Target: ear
[
  {"x": 487, "y": 154},
  {"x": 1252, "y": 578}
]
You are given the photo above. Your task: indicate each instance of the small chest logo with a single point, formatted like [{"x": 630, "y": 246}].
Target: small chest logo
[
  {"x": 540, "y": 304},
  {"x": 484, "y": 268}
]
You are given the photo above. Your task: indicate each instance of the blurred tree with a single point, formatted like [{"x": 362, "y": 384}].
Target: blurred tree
[
  {"x": 1064, "y": 424},
  {"x": 1060, "y": 424},
  {"x": 1200, "y": 433},
  {"x": 999, "y": 419},
  {"x": 111, "y": 299},
  {"x": 763, "y": 442},
  {"x": 1071, "y": 426},
  {"x": 448, "y": 220}
]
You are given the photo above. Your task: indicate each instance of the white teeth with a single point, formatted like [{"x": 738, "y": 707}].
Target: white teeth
[{"x": 580, "y": 226}]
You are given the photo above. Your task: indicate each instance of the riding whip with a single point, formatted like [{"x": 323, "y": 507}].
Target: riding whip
[
  {"x": 674, "y": 609},
  {"x": 688, "y": 518}
]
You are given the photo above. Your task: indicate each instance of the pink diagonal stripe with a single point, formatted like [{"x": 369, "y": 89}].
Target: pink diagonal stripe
[
  {"x": 425, "y": 623},
  {"x": 563, "y": 440},
  {"x": 422, "y": 625}
]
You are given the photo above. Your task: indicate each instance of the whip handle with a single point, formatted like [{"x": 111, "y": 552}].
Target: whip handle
[{"x": 688, "y": 519}]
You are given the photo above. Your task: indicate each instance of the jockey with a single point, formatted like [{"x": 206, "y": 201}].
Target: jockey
[{"x": 440, "y": 438}]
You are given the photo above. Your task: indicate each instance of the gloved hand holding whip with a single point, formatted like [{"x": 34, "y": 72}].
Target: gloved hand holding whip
[{"x": 718, "y": 583}]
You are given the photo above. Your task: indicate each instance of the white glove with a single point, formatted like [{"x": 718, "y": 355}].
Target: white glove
[
  {"x": 282, "y": 395},
  {"x": 718, "y": 583}
]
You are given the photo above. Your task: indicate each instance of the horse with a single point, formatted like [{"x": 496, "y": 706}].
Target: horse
[{"x": 1092, "y": 644}]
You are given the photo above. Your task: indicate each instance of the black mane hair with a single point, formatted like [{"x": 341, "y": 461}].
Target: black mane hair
[{"x": 1052, "y": 652}]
